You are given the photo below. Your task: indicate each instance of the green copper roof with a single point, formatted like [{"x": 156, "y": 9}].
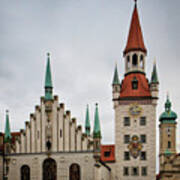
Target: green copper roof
[
  {"x": 168, "y": 116},
  {"x": 87, "y": 123},
  {"x": 97, "y": 129},
  {"x": 7, "y": 136},
  {"x": 167, "y": 152},
  {"x": 48, "y": 80},
  {"x": 116, "y": 77},
  {"x": 154, "y": 77}
]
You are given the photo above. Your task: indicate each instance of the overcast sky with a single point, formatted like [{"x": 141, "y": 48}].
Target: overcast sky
[{"x": 85, "y": 39}]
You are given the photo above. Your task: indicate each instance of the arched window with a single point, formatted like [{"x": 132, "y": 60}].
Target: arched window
[
  {"x": 49, "y": 169},
  {"x": 135, "y": 60},
  {"x": 25, "y": 172},
  {"x": 142, "y": 61},
  {"x": 74, "y": 172},
  {"x": 128, "y": 62}
]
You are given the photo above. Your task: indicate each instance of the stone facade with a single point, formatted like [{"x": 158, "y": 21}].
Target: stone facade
[
  {"x": 63, "y": 161},
  {"x": 149, "y": 130}
]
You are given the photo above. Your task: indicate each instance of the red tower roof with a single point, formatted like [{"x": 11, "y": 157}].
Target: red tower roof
[
  {"x": 135, "y": 38},
  {"x": 143, "y": 89}
]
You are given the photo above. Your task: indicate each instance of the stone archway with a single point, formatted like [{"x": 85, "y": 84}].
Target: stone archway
[
  {"x": 25, "y": 172},
  {"x": 74, "y": 172},
  {"x": 49, "y": 169}
]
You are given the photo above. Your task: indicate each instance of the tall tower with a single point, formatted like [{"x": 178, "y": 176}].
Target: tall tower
[
  {"x": 135, "y": 101},
  {"x": 167, "y": 147},
  {"x": 167, "y": 129}
]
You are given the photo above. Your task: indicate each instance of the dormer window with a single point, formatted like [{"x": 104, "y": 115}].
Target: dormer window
[
  {"x": 134, "y": 83},
  {"x": 135, "y": 60}
]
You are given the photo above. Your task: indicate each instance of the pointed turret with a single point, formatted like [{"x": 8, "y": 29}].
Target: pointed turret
[
  {"x": 135, "y": 40},
  {"x": 7, "y": 136},
  {"x": 154, "y": 77},
  {"x": 48, "y": 80},
  {"x": 87, "y": 123},
  {"x": 97, "y": 129},
  {"x": 116, "y": 77},
  {"x": 154, "y": 85},
  {"x": 97, "y": 135},
  {"x": 116, "y": 86}
]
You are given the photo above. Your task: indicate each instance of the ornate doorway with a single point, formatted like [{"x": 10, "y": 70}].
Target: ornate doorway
[
  {"x": 49, "y": 169},
  {"x": 74, "y": 172},
  {"x": 25, "y": 172}
]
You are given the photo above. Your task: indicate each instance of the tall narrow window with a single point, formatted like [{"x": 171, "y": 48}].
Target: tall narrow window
[
  {"x": 134, "y": 83},
  {"x": 135, "y": 60},
  {"x": 60, "y": 132},
  {"x": 142, "y": 121},
  {"x": 74, "y": 172},
  {"x": 143, "y": 138},
  {"x": 126, "y": 155},
  {"x": 135, "y": 171},
  {"x": 169, "y": 144},
  {"x": 49, "y": 169},
  {"x": 143, "y": 155},
  {"x": 144, "y": 171},
  {"x": 126, "y": 139},
  {"x": 25, "y": 172},
  {"x": 126, "y": 171}
]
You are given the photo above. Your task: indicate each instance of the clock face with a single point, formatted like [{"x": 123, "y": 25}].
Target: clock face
[{"x": 135, "y": 110}]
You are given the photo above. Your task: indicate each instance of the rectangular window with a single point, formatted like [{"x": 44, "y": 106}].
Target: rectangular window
[
  {"x": 144, "y": 171},
  {"x": 143, "y": 138},
  {"x": 143, "y": 155},
  {"x": 107, "y": 154},
  {"x": 126, "y": 155},
  {"x": 126, "y": 171},
  {"x": 169, "y": 144},
  {"x": 126, "y": 139},
  {"x": 135, "y": 171},
  {"x": 142, "y": 121},
  {"x": 126, "y": 121}
]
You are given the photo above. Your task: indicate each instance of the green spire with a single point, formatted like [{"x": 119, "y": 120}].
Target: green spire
[
  {"x": 168, "y": 105},
  {"x": 97, "y": 129},
  {"x": 116, "y": 77},
  {"x": 168, "y": 116},
  {"x": 48, "y": 80},
  {"x": 7, "y": 136},
  {"x": 154, "y": 77},
  {"x": 87, "y": 123}
]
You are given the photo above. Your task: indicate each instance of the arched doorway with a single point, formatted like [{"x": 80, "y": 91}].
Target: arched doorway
[
  {"x": 25, "y": 172},
  {"x": 49, "y": 169},
  {"x": 74, "y": 172}
]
